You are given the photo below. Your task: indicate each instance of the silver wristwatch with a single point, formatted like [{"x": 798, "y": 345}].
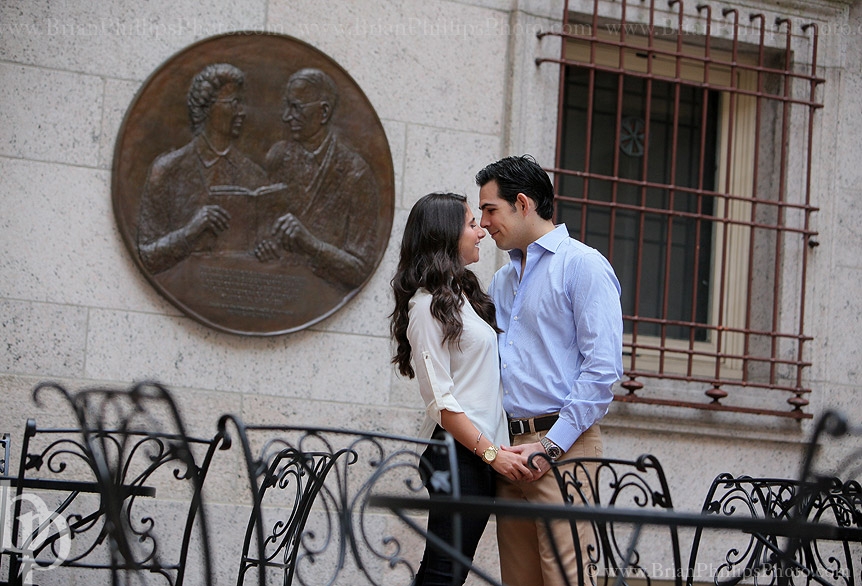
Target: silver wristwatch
[{"x": 552, "y": 449}]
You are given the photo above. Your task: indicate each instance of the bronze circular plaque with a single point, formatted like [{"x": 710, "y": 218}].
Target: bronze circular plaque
[{"x": 253, "y": 183}]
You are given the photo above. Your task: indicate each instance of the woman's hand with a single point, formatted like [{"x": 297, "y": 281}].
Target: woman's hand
[
  {"x": 210, "y": 217},
  {"x": 511, "y": 465},
  {"x": 536, "y": 467}
]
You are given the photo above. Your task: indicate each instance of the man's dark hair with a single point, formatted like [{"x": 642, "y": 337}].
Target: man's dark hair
[{"x": 523, "y": 174}]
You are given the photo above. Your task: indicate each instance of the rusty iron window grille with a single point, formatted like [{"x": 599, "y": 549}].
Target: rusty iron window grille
[{"x": 684, "y": 153}]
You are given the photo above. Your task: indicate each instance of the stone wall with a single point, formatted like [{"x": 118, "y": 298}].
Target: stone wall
[{"x": 456, "y": 86}]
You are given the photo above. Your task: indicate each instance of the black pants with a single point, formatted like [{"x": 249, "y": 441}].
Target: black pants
[{"x": 476, "y": 479}]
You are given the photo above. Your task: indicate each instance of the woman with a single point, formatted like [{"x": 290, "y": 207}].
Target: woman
[
  {"x": 177, "y": 215},
  {"x": 446, "y": 335}
]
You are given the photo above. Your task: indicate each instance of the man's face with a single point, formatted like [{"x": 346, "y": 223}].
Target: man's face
[
  {"x": 499, "y": 218},
  {"x": 227, "y": 114},
  {"x": 303, "y": 111},
  {"x": 471, "y": 235}
]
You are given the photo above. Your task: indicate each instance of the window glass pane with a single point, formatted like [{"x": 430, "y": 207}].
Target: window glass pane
[{"x": 668, "y": 224}]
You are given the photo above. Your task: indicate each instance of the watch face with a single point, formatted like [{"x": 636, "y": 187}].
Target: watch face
[
  {"x": 489, "y": 454},
  {"x": 554, "y": 451}
]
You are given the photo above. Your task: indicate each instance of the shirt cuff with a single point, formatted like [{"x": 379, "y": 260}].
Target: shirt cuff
[
  {"x": 563, "y": 434},
  {"x": 447, "y": 402}
]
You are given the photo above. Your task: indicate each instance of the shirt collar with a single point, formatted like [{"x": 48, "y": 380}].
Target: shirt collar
[
  {"x": 208, "y": 155},
  {"x": 324, "y": 145},
  {"x": 550, "y": 241}
]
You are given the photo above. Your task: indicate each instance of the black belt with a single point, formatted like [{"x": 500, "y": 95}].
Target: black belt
[{"x": 532, "y": 425}]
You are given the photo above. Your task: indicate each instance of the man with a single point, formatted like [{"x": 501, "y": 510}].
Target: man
[
  {"x": 333, "y": 198},
  {"x": 558, "y": 304},
  {"x": 177, "y": 214}
]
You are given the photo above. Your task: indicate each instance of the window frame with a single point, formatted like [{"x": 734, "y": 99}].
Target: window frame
[
  {"x": 674, "y": 352},
  {"x": 729, "y": 351}
]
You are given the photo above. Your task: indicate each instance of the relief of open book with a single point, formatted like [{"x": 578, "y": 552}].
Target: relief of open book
[
  {"x": 240, "y": 190},
  {"x": 252, "y": 214}
]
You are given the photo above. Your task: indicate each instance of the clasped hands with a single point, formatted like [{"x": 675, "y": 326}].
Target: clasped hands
[
  {"x": 291, "y": 234},
  {"x": 515, "y": 463},
  {"x": 287, "y": 231},
  {"x": 212, "y": 218}
]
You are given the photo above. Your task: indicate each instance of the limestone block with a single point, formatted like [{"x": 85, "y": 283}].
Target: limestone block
[
  {"x": 845, "y": 237},
  {"x": 444, "y": 160},
  {"x": 552, "y": 10},
  {"x": 691, "y": 462},
  {"x": 125, "y": 39},
  {"x": 416, "y": 61},
  {"x": 336, "y": 412},
  {"x": 117, "y": 99},
  {"x": 59, "y": 241},
  {"x": 396, "y": 135},
  {"x": 16, "y": 391},
  {"x": 42, "y": 338},
  {"x": 228, "y": 523},
  {"x": 845, "y": 357},
  {"x": 181, "y": 352},
  {"x": 850, "y": 172},
  {"x": 50, "y": 115},
  {"x": 404, "y": 392}
]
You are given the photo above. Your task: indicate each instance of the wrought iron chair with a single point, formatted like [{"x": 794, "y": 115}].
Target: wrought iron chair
[
  {"x": 309, "y": 520},
  {"x": 609, "y": 552},
  {"x": 770, "y": 558},
  {"x": 762, "y": 558},
  {"x": 91, "y": 487}
]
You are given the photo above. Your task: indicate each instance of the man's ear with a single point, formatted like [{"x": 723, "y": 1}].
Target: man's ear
[
  {"x": 326, "y": 110},
  {"x": 523, "y": 203}
]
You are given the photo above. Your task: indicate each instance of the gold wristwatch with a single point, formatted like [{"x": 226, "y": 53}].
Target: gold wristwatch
[{"x": 490, "y": 454}]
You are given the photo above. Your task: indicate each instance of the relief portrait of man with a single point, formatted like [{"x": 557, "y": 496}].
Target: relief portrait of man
[
  {"x": 177, "y": 215},
  {"x": 253, "y": 184},
  {"x": 329, "y": 186}
]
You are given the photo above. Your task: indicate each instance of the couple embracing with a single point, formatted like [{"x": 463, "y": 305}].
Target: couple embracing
[{"x": 527, "y": 367}]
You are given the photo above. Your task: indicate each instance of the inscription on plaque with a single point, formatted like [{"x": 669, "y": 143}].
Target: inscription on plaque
[
  {"x": 253, "y": 184},
  {"x": 249, "y": 293}
]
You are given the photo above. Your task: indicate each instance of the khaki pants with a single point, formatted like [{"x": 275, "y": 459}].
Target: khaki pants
[{"x": 526, "y": 555}]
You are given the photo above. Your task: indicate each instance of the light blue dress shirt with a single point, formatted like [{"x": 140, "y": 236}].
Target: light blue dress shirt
[{"x": 561, "y": 348}]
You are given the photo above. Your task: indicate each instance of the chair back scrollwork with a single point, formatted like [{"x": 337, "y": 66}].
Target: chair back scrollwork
[
  {"x": 101, "y": 478},
  {"x": 617, "y": 552},
  {"x": 818, "y": 495},
  {"x": 309, "y": 520}
]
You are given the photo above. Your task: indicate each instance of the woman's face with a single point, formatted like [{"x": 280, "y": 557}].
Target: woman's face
[
  {"x": 227, "y": 113},
  {"x": 468, "y": 245}
]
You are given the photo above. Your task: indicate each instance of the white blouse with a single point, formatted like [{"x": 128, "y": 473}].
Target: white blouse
[{"x": 462, "y": 378}]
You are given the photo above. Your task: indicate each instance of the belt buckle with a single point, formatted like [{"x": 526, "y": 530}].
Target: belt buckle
[{"x": 522, "y": 427}]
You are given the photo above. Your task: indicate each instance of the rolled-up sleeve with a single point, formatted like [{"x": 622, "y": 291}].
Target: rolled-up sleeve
[{"x": 432, "y": 363}]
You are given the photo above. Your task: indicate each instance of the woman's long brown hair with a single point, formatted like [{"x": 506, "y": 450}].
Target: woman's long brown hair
[{"x": 430, "y": 258}]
